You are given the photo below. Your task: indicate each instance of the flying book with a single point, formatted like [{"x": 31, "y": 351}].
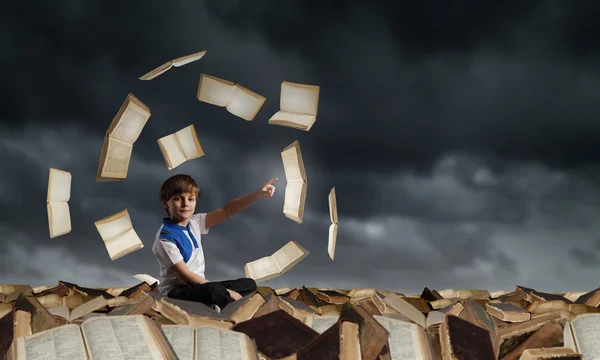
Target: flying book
[
  {"x": 122, "y": 133},
  {"x": 298, "y": 106},
  {"x": 57, "y": 202},
  {"x": 118, "y": 234},
  {"x": 184, "y": 60},
  {"x": 275, "y": 265},
  {"x": 238, "y": 100},
  {"x": 333, "y": 228},
  {"x": 180, "y": 147},
  {"x": 295, "y": 189}
]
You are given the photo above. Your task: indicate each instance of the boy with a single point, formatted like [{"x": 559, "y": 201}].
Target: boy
[{"x": 178, "y": 246}]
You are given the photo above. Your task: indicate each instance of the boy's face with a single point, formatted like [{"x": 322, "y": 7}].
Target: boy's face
[{"x": 181, "y": 207}]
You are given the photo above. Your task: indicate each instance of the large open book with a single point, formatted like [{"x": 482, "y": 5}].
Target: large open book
[
  {"x": 209, "y": 343},
  {"x": 122, "y": 133},
  {"x": 180, "y": 147},
  {"x": 407, "y": 340},
  {"x": 169, "y": 64},
  {"x": 298, "y": 106},
  {"x": 582, "y": 335},
  {"x": 275, "y": 265},
  {"x": 98, "y": 338},
  {"x": 238, "y": 100},
  {"x": 57, "y": 202},
  {"x": 295, "y": 189},
  {"x": 333, "y": 228},
  {"x": 118, "y": 234}
]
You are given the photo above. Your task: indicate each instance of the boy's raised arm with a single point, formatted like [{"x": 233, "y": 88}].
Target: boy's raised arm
[{"x": 234, "y": 206}]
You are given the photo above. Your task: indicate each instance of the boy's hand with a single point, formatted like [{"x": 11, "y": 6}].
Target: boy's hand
[
  {"x": 268, "y": 189},
  {"x": 234, "y": 295}
]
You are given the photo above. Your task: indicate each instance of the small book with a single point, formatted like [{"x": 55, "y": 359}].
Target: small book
[
  {"x": 275, "y": 265},
  {"x": 122, "y": 133},
  {"x": 184, "y": 60},
  {"x": 147, "y": 278},
  {"x": 295, "y": 188},
  {"x": 508, "y": 312},
  {"x": 118, "y": 235},
  {"x": 57, "y": 202},
  {"x": 298, "y": 106},
  {"x": 71, "y": 315},
  {"x": 333, "y": 228},
  {"x": 238, "y": 100},
  {"x": 180, "y": 147},
  {"x": 553, "y": 353}
]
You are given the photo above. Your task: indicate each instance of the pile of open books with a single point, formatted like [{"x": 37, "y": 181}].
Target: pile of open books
[{"x": 68, "y": 321}]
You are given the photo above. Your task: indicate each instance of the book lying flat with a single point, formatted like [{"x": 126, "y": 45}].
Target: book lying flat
[
  {"x": 184, "y": 60},
  {"x": 298, "y": 106},
  {"x": 118, "y": 235},
  {"x": 296, "y": 186},
  {"x": 275, "y": 265},
  {"x": 333, "y": 228},
  {"x": 238, "y": 100},
  {"x": 57, "y": 202},
  {"x": 180, "y": 147}
]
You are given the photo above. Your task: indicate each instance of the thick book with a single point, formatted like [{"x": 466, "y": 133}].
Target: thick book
[
  {"x": 180, "y": 146},
  {"x": 298, "y": 106},
  {"x": 238, "y": 100},
  {"x": 277, "y": 264},
  {"x": 118, "y": 235},
  {"x": 296, "y": 182}
]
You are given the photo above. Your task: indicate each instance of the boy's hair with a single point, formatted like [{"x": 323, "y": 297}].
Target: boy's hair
[{"x": 176, "y": 185}]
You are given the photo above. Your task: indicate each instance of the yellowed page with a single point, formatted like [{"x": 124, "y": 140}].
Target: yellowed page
[
  {"x": 87, "y": 307},
  {"x": 292, "y": 120},
  {"x": 333, "y": 230},
  {"x": 59, "y": 186},
  {"x": 262, "y": 269},
  {"x": 294, "y": 200},
  {"x": 60, "y": 343},
  {"x": 59, "y": 218},
  {"x": 215, "y": 91},
  {"x": 293, "y": 165},
  {"x": 332, "y": 206},
  {"x": 320, "y": 323},
  {"x": 568, "y": 339},
  {"x": 349, "y": 343},
  {"x": 172, "y": 151},
  {"x": 405, "y": 308},
  {"x": 586, "y": 330},
  {"x": 130, "y": 125},
  {"x": 189, "y": 142},
  {"x": 218, "y": 344},
  {"x": 184, "y": 60},
  {"x": 244, "y": 103},
  {"x": 61, "y": 311},
  {"x": 117, "y": 159},
  {"x": 288, "y": 256},
  {"x": 150, "y": 280},
  {"x": 119, "y": 338},
  {"x": 114, "y": 224},
  {"x": 404, "y": 340},
  {"x": 123, "y": 244},
  {"x": 299, "y": 98},
  {"x": 157, "y": 71},
  {"x": 181, "y": 338}
]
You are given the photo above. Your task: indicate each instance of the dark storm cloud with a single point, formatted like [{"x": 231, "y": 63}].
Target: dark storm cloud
[{"x": 583, "y": 257}]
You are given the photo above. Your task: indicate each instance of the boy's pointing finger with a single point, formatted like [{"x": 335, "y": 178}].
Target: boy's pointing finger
[{"x": 273, "y": 179}]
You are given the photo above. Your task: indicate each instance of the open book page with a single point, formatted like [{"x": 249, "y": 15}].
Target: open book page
[
  {"x": 184, "y": 60},
  {"x": 294, "y": 200},
  {"x": 405, "y": 308},
  {"x": 213, "y": 90},
  {"x": 123, "y": 244},
  {"x": 59, "y": 186},
  {"x": 262, "y": 269},
  {"x": 586, "y": 328},
  {"x": 292, "y": 120},
  {"x": 59, "y": 218},
  {"x": 60, "y": 343},
  {"x": 568, "y": 339},
  {"x": 114, "y": 225},
  {"x": 114, "y": 160},
  {"x": 129, "y": 121},
  {"x": 332, "y": 206},
  {"x": 320, "y": 323},
  {"x": 404, "y": 340},
  {"x": 293, "y": 165},
  {"x": 299, "y": 98},
  {"x": 219, "y": 344},
  {"x": 244, "y": 103},
  {"x": 189, "y": 142},
  {"x": 87, "y": 307},
  {"x": 172, "y": 151},
  {"x": 119, "y": 338},
  {"x": 288, "y": 256},
  {"x": 333, "y": 230},
  {"x": 181, "y": 338}
]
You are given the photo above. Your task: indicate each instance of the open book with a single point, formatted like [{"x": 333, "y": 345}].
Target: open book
[
  {"x": 57, "y": 202},
  {"x": 169, "y": 64},
  {"x": 407, "y": 340},
  {"x": 122, "y": 133},
  {"x": 295, "y": 189},
  {"x": 298, "y": 106},
  {"x": 180, "y": 147},
  {"x": 98, "y": 338},
  {"x": 209, "y": 343},
  {"x": 86, "y": 308},
  {"x": 238, "y": 100},
  {"x": 333, "y": 228},
  {"x": 581, "y": 335},
  {"x": 118, "y": 234},
  {"x": 275, "y": 265}
]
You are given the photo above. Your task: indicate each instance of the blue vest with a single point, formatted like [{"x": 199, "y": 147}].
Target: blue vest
[{"x": 174, "y": 233}]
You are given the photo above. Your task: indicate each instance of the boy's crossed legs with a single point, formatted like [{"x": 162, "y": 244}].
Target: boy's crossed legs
[{"x": 214, "y": 292}]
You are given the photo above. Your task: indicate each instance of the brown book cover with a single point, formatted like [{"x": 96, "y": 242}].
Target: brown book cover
[
  {"x": 585, "y": 297},
  {"x": 326, "y": 346},
  {"x": 309, "y": 298},
  {"x": 277, "y": 334},
  {"x": 462, "y": 340},
  {"x": 136, "y": 289},
  {"x": 7, "y": 323},
  {"x": 93, "y": 292},
  {"x": 41, "y": 319},
  {"x": 430, "y": 295},
  {"x": 371, "y": 334},
  {"x": 60, "y": 290}
]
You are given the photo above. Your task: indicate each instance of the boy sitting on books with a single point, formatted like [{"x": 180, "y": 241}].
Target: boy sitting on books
[{"x": 178, "y": 245}]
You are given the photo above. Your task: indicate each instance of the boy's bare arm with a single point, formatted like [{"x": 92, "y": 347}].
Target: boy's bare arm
[
  {"x": 184, "y": 273},
  {"x": 235, "y": 206}
]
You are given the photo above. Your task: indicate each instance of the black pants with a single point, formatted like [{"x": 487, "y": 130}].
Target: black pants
[{"x": 213, "y": 292}]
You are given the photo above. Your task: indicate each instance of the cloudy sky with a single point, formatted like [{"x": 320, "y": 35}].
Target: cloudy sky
[{"x": 462, "y": 138}]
